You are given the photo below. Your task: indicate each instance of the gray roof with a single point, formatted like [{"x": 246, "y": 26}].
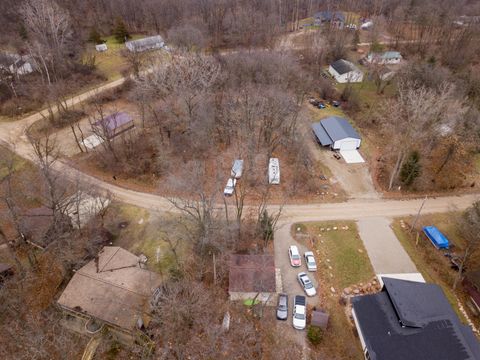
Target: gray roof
[
  {"x": 412, "y": 320},
  {"x": 343, "y": 66},
  {"x": 332, "y": 129},
  {"x": 329, "y": 15},
  {"x": 145, "y": 43}
]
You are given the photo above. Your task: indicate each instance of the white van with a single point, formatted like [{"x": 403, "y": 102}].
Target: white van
[
  {"x": 274, "y": 171},
  {"x": 237, "y": 169}
]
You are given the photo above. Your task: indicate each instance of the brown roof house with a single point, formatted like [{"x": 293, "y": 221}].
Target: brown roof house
[
  {"x": 114, "y": 291},
  {"x": 253, "y": 277}
]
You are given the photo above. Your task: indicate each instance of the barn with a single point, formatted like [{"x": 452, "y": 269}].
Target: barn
[
  {"x": 345, "y": 72},
  {"x": 337, "y": 133},
  {"x": 148, "y": 43}
]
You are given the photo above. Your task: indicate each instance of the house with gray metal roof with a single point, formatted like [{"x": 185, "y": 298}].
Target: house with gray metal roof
[
  {"x": 387, "y": 57},
  {"x": 411, "y": 320},
  {"x": 337, "y": 133},
  {"x": 345, "y": 71},
  {"x": 148, "y": 43}
]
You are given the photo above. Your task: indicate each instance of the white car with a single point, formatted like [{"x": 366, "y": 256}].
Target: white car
[
  {"x": 294, "y": 254},
  {"x": 307, "y": 284},
  {"x": 310, "y": 261},
  {"x": 230, "y": 188},
  {"x": 299, "y": 316}
]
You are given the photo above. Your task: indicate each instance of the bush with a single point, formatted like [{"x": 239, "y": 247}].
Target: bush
[
  {"x": 315, "y": 335},
  {"x": 410, "y": 169}
]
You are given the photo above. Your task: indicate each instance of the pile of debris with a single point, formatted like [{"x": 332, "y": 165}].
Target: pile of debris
[{"x": 370, "y": 287}]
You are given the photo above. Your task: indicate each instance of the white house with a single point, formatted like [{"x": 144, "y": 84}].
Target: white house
[
  {"x": 148, "y": 43},
  {"x": 387, "y": 57},
  {"x": 16, "y": 64},
  {"x": 345, "y": 72}
]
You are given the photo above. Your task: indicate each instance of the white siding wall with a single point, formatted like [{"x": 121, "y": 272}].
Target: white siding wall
[
  {"x": 338, "y": 144},
  {"x": 352, "y": 76}
]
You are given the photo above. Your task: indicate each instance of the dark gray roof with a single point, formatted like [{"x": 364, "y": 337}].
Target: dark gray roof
[
  {"x": 329, "y": 15},
  {"x": 411, "y": 320},
  {"x": 332, "y": 129},
  {"x": 342, "y": 66}
]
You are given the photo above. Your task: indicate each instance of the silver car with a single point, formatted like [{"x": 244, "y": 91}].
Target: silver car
[
  {"x": 306, "y": 284},
  {"x": 282, "y": 307}
]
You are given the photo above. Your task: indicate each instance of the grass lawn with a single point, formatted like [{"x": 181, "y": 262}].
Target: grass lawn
[
  {"x": 429, "y": 261},
  {"x": 342, "y": 261},
  {"x": 145, "y": 233},
  {"x": 111, "y": 62}
]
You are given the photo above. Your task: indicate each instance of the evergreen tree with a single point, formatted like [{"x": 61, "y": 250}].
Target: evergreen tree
[
  {"x": 410, "y": 169},
  {"x": 22, "y": 31},
  {"x": 95, "y": 37},
  {"x": 120, "y": 31}
]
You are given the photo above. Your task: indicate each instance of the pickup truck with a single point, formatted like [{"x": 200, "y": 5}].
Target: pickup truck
[{"x": 300, "y": 312}]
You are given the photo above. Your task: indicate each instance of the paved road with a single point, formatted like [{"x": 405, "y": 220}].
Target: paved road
[{"x": 384, "y": 250}]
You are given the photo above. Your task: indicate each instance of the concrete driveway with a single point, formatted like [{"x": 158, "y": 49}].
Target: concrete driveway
[{"x": 384, "y": 250}]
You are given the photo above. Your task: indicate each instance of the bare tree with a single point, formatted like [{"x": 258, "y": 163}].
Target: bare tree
[{"x": 469, "y": 227}]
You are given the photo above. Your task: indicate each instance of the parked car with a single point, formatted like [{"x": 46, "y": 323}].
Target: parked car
[
  {"x": 351, "y": 26},
  {"x": 230, "y": 188},
  {"x": 310, "y": 261},
  {"x": 299, "y": 317},
  {"x": 335, "y": 103},
  {"x": 337, "y": 156},
  {"x": 282, "y": 307},
  {"x": 237, "y": 169},
  {"x": 294, "y": 254},
  {"x": 321, "y": 105},
  {"x": 307, "y": 284},
  {"x": 313, "y": 102}
]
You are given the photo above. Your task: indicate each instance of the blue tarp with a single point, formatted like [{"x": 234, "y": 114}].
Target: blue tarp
[{"x": 436, "y": 237}]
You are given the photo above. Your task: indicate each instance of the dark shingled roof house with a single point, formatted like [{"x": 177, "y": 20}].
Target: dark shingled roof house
[{"x": 411, "y": 320}]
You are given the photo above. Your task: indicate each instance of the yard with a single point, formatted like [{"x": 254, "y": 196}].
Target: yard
[
  {"x": 141, "y": 232},
  {"x": 431, "y": 263},
  {"x": 342, "y": 261}
]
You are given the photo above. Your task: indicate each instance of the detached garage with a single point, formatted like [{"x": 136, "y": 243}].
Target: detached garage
[{"x": 337, "y": 133}]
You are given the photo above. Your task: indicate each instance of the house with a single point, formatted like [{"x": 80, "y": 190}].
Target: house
[
  {"x": 471, "y": 283},
  {"x": 16, "y": 64},
  {"x": 411, "y": 320},
  {"x": 345, "y": 72},
  {"x": 112, "y": 291},
  {"x": 148, "y": 43},
  {"x": 113, "y": 125},
  {"x": 101, "y": 47},
  {"x": 438, "y": 240},
  {"x": 334, "y": 18},
  {"x": 337, "y": 133},
  {"x": 387, "y": 57},
  {"x": 366, "y": 25},
  {"x": 253, "y": 277}
]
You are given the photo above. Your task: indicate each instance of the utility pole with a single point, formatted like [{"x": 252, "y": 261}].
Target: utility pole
[{"x": 418, "y": 214}]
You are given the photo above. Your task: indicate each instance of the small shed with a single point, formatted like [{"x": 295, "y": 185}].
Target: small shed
[
  {"x": 337, "y": 133},
  {"x": 148, "y": 43},
  {"x": 320, "y": 319},
  {"x": 101, "y": 47},
  {"x": 438, "y": 240},
  {"x": 113, "y": 125},
  {"x": 345, "y": 72}
]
